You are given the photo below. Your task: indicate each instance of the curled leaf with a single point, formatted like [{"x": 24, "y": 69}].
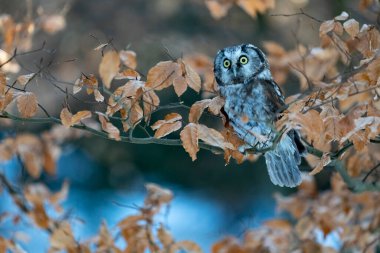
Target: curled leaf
[
  {"x": 27, "y": 104},
  {"x": 189, "y": 137},
  {"x": 109, "y": 67}
]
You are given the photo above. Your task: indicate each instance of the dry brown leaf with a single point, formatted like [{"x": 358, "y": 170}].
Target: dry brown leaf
[
  {"x": 98, "y": 96},
  {"x": 77, "y": 117},
  {"x": 24, "y": 79},
  {"x": 189, "y": 137},
  {"x": 165, "y": 237},
  {"x": 157, "y": 195},
  {"x": 342, "y": 17},
  {"x": 217, "y": 9},
  {"x": 150, "y": 102},
  {"x": 167, "y": 129},
  {"x": 351, "y": 26},
  {"x": 27, "y": 104},
  {"x": 197, "y": 109},
  {"x": 30, "y": 150},
  {"x": 62, "y": 238},
  {"x": 68, "y": 119},
  {"x": 279, "y": 224},
  {"x": 128, "y": 58},
  {"x": 171, "y": 123},
  {"x": 323, "y": 161},
  {"x": 187, "y": 246},
  {"x": 180, "y": 85},
  {"x": 109, "y": 67},
  {"x": 53, "y": 23},
  {"x": 128, "y": 74},
  {"x": 252, "y": 7},
  {"x": 169, "y": 118},
  {"x": 162, "y": 75},
  {"x": 108, "y": 127},
  {"x": 192, "y": 78},
  {"x": 216, "y": 105},
  {"x": 7, "y": 149},
  {"x": 101, "y": 46},
  {"x": 213, "y": 137}
]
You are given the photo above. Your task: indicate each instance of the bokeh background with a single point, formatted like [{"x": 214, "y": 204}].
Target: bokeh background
[{"x": 107, "y": 177}]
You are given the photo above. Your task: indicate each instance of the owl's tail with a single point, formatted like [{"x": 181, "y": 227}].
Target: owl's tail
[{"x": 283, "y": 161}]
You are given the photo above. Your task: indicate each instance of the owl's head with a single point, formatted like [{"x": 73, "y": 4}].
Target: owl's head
[{"x": 240, "y": 64}]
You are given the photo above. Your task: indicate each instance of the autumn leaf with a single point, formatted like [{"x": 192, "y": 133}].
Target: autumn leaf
[
  {"x": 108, "y": 127},
  {"x": 197, "y": 109},
  {"x": 98, "y": 96},
  {"x": 62, "y": 238},
  {"x": 162, "y": 75},
  {"x": 53, "y": 23},
  {"x": 171, "y": 123},
  {"x": 180, "y": 85},
  {"x": 192, "y": 78},
  {"x": 157, "y": 195},
  {"x": 218, "y": 9},
  {"x": 213, "y": 137},
  {"x": 68, "y": 119},
  {"x": 128, "y": 58},
  {"x": 24, "y": 79},
  {"x": 27, "y": 104},
  {"x": 109, "y": 67},
  {"x": 252, "y": 7},
  {"x": 150, "y": 102},
  {"x": 351, "y": 26},
  {"x": 187, "y": 246},
  {"x": 189, "y": 137},
  {"x": 323, "y": 161},
  {"x": 164, "y": 236}
]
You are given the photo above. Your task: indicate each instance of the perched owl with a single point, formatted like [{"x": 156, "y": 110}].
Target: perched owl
[{"x": 252, "y": 103}]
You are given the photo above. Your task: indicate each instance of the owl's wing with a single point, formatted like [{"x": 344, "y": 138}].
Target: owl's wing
[{"x": 274, "y": 96}]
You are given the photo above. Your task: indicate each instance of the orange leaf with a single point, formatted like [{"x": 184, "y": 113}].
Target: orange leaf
[
  {"x": 162, "y": 75},
  {"x": 63, "y": 238},
  {"x": 69, "y": 120},
  {"x": 171, "y": 123},
  {"x": 252, "y": 7},
  {"x": 352, "y": 27},
  {"x": 24, "y": 79},
  {"x": 218, "y": 9},
  {"x": 150, "y": 102},
  {"x": 323, "y": 161},
  {"x": 197, "y": 109},
  {"x": 213, "y": 137},
  {"x": 192, "y": 78},
  {"x": 189, "y": 138},
  {"x": 157, "y": 195},
  {"x": 187, "y": 246},
  {"x": 169, "y": 118},
  {"x": 66, "y": 117},
  {"x": 80, "y": 116},
  {"x": 109, "y": 67},
  {"x": 128, "y": 58},
  {"x": 167, "y": 129},
  {"x": 98, "y": 96},
  {"x": 113, "y": 132},
  {"x": 180, "y": 85},
  {"x": 27, "y": 104}
]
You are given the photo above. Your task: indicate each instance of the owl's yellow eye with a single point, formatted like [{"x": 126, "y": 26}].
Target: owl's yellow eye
[
  {"x": 226, "y": 63},
  {"x": 243, "y": 60}
]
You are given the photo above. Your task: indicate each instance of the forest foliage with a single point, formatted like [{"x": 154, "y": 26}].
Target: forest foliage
[{"x": 336, "y": 110}]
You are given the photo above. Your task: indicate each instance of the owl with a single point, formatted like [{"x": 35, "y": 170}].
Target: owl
[{"x": 253, "y": 102}]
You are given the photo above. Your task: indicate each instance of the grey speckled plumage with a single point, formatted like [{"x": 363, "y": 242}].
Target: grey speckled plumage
[{"x": 252, "y": 103}]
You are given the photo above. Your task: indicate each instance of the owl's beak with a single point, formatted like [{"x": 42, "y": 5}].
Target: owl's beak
[{"x": 234, "y": 72}]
